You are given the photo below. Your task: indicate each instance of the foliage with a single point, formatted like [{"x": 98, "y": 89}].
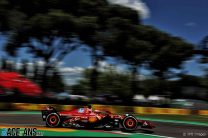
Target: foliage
[
  {"x": 109, "y": 81},
  {"x": 52, "y": 29}
]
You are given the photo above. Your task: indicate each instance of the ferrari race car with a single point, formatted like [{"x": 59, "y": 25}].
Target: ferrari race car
[{"x": 85, "y": 118}]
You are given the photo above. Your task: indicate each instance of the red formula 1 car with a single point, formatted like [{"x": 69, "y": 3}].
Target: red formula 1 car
[{"x": 86, "y": 118}]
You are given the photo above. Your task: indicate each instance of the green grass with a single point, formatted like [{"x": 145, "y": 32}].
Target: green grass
[{"x": 21, "y": 112}]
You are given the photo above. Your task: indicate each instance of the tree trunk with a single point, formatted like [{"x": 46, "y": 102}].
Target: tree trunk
[
  {"x": 94, "y": 73},
  {"x": 44, "y": 79},
  {"x": 134, "y": 82},
  {"x": 35, "y": 72},
  {"x": 4, "y": 64},
  {"x": 162, "y": 85}
]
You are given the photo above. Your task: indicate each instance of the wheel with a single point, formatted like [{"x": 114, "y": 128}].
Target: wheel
[
  {"x": 53, "y": 120},
  {"x": 129, "y": 123}
]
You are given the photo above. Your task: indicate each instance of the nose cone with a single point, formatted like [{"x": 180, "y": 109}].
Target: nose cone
[
  {"x": 147, "y": 124},
  {"x": 152, "y": 125}
]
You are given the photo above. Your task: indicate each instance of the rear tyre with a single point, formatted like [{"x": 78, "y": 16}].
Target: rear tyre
[
  {"x": 53, "y": 120},
  {"x": 130, "y": 123}
]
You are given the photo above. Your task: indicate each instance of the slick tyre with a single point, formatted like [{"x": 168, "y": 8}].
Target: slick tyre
[
  {"x": 53, "y": 120},
  {"x": 130, "y": 123}
]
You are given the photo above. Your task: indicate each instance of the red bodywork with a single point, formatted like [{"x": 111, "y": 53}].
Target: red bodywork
[
  {"x": 85, "y": 117},
  {"x": 13, "y": 81},
  {"x": 88, "y": 116}
]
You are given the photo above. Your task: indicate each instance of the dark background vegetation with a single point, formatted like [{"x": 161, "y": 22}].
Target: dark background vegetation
[{"x": 52, "y": 29}]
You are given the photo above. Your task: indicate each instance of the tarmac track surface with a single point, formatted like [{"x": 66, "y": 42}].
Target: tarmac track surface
[{"x": 162, "y": 129}]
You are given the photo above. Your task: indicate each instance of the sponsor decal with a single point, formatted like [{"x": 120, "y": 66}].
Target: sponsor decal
[{"x": 145, "y": 123}]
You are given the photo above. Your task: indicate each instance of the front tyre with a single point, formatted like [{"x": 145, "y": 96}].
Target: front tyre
[
  {"x": 53, "y": 120},
  {"x": 129, "y": 123}
]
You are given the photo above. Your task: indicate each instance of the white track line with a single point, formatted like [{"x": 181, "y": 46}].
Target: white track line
[
  {"x": 123, "y": 133},
  {"x": 119, "y": 132},
  {"x": 156, "y": 135}
]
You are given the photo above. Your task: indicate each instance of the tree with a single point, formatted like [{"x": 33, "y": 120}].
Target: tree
[
  {"x": 67, "y": 19},
  {"x": 202, "y": 50},
  {"x": 36, "y": 70},
  {"x": 24, "y": 68},
  {"x": 42, "y": 38},
  {"x": 56, "y": 81},
  {"x": 109, "y": 81},
  {"x": 108, "y": 30},
  {"x": 141, "y": 45},
  {"x": 121, "y": 42},
  {"x": 3, "y": 63},
  {"x": 167, "y": 51},
  {"x": 97, "y": 23}
]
